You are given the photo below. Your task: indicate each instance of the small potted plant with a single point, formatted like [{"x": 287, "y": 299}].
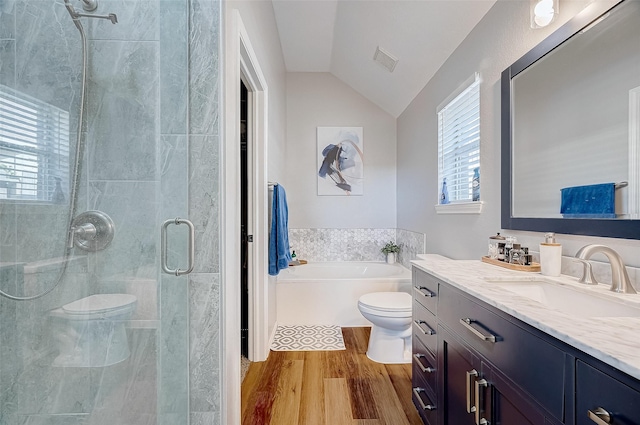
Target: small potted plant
[{"x": 390, "y": 250}]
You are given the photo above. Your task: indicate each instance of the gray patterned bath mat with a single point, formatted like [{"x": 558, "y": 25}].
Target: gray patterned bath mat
[{"x": 308, "y": 338}]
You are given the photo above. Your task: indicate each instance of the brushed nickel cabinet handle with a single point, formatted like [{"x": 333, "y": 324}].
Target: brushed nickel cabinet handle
[
  {"x": 471, "y": 375},
  {"x": 428, "y": 331},
  {"x": 424, "y": 368},
  {"x": 599, "y": 416},
  {"x": 480, "y": 401},
  {"x": 467, "y": 322},
  {"x": 430, "y": 406},
  {"x": 424, "y": 291}
]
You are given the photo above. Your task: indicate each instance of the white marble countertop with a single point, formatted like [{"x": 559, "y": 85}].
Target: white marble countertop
[{"x": 613, "y": 340}]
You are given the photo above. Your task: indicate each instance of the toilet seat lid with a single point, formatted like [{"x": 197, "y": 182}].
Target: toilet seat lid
[
  {"x": 99, "y": 303},
  {"x": 388, "y": 301}
]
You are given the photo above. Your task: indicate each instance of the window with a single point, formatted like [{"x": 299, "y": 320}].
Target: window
[
  {"x": 459, "y": 145},
  {"x": 34, "y": 149}
]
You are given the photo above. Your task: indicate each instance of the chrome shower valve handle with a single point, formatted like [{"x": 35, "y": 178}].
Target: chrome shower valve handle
[{"x": 92, "y": 231}]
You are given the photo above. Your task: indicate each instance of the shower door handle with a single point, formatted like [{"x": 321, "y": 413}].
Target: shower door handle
[{"x": 192, "y": 234}]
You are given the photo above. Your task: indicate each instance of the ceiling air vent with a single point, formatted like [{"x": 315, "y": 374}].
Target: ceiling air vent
[{"x": 385, "y": 59}]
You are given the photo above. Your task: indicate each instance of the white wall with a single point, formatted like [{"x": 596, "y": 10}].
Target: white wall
[
  {"x": 320, "y": 99},
  {"x": 501, "y": 38}
]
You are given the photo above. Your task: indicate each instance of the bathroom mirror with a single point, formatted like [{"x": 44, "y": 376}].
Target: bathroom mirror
[{"x": 571, "y": 117}]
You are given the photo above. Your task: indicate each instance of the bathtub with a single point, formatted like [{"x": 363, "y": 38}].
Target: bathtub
[{"x": 327, "y": 293}]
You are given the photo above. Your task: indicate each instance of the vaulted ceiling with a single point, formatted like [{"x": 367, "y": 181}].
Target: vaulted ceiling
[{"x": 341, "y": 37}]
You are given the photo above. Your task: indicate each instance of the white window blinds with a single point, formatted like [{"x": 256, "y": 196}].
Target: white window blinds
[
  {"x": 459, "y": 145},
  {"x": 34, "y": 149}
]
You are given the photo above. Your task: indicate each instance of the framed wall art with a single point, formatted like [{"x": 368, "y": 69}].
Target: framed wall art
[{"x": 340, "y": 161}]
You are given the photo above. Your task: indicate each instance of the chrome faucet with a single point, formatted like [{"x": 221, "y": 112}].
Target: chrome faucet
[{"x": 619, "y": 278}]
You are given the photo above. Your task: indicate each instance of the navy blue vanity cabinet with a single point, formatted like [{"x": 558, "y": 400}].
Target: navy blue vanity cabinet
[
  {"x": 599, "y": 395},
  {"x": 492, "y": 368},
  {"x": 425, "y": 290},
  {"x": 487, "y": 369},
  {"x": 424, "y": 364},
  {"x": 424, "y": 327},
  {"x": 474, "y": 391},
  {"x": 424, "y": 401},
  {"x": 513, "y": 351},
  {"x": 424, "y": 383},
  {"x": 460, "y": 369},
  {"x": 510, "y": 405},
  {"x": 424, "y": 346}
]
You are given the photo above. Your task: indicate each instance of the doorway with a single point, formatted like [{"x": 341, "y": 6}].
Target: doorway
[
  {"x": 244, "y": 222},
  {"x": 241, "y": 64},
  {"x": 252, "y": 216}
]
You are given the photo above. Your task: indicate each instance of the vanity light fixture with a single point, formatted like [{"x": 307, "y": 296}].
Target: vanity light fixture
[{"x": 543, "y": 12}]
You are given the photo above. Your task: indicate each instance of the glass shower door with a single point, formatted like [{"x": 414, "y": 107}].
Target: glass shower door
[{"x": 69, "y": 357}]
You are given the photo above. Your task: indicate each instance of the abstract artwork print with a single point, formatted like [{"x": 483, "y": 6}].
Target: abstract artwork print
[{"x": 340, "y": 161}]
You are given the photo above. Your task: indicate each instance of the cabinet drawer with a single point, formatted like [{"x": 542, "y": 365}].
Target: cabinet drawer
[
  {"x": 595, "y": 389},
  {"x": 425, "y": 289},
  {"x": 536, "y": 365},
  {"x": 424, "y": 327},
  {"x": 423, "y": 364},
  {"x": 425, "y": 401}
]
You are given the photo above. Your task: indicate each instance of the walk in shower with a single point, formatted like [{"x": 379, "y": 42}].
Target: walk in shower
[{"x": 147, "y": 153}]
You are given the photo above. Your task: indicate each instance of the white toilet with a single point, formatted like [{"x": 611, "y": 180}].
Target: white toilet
[
  {"x": 390, "y": 314},
  {"x": 90, "y": 332}
]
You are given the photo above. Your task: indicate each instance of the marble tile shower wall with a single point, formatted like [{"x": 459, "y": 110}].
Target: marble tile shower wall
[
  {"x": 152, "y": 153},
  {"x": 354, "y": 244},
  {"x": 38, "y": 57},
  {"x": 204, "y": 211}
]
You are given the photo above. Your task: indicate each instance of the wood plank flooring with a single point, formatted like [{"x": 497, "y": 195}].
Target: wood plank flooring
[{"x": 328, "y": 388}]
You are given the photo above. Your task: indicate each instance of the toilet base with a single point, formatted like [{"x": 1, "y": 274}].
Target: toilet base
[
  {"x": 93, "y": 343},
  {"x": 389, "y": 347}
]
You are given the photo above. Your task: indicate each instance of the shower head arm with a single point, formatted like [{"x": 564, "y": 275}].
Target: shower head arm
[
  {"x": 76, "y": 15},
  {"x": 111, "y": 16}
]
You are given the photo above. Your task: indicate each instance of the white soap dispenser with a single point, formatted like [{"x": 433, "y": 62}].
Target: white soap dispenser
[{"x": 550, "y": 256}]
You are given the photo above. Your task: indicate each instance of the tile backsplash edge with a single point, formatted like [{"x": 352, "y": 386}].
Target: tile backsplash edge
[{"x": 331, "y": 244}]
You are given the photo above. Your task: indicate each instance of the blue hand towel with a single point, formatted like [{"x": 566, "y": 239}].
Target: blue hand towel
[
  {"x": 279, "y": 255},
  {"x": 592, "y": 201}
]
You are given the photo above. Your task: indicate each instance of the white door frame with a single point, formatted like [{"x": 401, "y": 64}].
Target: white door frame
[{"x": 240, "y": 61}]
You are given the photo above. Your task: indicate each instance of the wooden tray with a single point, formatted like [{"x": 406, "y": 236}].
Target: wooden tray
[
  {"x": 534, "y": 267},
  {"x": 300, "y": 261}
]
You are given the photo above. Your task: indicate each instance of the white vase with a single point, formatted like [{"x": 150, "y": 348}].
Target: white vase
[{"x": 391, "y": 258}]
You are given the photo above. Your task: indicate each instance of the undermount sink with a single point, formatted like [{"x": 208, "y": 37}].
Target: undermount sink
[{"x": 566, "y": 299}]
